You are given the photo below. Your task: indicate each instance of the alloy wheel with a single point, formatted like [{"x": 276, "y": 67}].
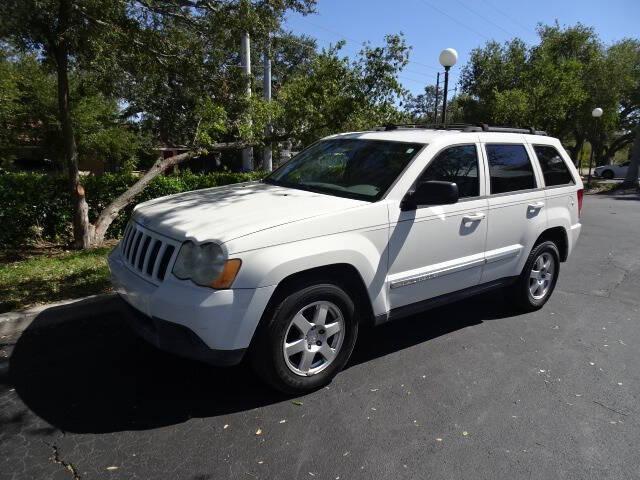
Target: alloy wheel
[
  {"x": 313, "y": 338},
  {"x": 541, "y": 276}
]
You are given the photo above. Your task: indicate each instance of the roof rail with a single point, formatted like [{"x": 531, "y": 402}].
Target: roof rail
[
  {"x": 464, "y": 127},
  {"x": 483, "y": 127}
]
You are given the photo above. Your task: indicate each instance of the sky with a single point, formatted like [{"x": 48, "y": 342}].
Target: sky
[{"x": 432, "y": 25}]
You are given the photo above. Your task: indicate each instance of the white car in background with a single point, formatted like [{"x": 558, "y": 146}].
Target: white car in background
[
  {"x": 362, "y": 227},
  {"x": 612, "y": 171}
]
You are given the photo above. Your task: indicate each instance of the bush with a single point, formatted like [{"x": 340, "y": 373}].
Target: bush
[{"x": 37, "y": 207}]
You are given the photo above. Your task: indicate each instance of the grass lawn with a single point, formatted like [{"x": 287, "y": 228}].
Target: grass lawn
[{"x": 43, "y": 275}]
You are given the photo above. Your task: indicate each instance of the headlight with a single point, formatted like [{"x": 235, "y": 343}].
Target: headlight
[{"x": 205, "y": 265}]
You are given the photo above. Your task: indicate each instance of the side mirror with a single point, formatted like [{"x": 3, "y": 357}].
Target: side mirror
[{"x": 433, "y": 192}]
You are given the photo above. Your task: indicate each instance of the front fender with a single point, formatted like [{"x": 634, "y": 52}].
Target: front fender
[{"x": 364, "y": 250}]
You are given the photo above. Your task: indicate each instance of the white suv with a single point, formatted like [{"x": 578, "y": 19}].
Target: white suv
[{"x": 359, "y": 227}]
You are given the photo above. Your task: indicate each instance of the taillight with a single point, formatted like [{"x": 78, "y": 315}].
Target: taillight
[{"x": 580, "y": 195}]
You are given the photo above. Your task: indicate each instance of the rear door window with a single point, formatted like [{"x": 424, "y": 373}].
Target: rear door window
[
  {"x": 510, "y": 168},
  {"x": 554, "y": 168}
]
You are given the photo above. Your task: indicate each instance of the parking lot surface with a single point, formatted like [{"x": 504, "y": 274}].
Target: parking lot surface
[{"x": 468, "y": 391}]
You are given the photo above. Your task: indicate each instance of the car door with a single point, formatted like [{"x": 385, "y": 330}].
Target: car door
[
  {"x": 621, "y": 170},
  {"x": 517, "y": 214},
  {"x": 435, "y": 250}
]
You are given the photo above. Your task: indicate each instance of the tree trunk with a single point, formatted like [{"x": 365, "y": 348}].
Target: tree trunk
[
  {"x": 631, "y": 180},
  {"x": 81, "y": 225},
  {"x": 111, "y": 211},
  {"x": 576, "y": 150}
]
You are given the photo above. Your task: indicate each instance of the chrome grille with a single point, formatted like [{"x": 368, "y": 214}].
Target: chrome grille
[{"x": 147, "y": 253}]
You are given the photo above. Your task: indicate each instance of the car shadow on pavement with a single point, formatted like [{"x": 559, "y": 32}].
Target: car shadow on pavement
[
  {"x": 630, "y": 194},
  {"x": 91, "y": 374}
]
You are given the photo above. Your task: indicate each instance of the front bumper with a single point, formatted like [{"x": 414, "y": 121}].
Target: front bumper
[
  {"x": 181, "y": 317},
  {"x": 179, "y": 340}
]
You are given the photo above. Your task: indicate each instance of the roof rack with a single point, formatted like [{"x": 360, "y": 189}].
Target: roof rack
[{"x": 465, "y": 127}]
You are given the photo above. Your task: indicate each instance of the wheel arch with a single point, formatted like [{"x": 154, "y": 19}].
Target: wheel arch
[
  {"x": 557, "y": 235},
  {"x": 344, "y": 275}
]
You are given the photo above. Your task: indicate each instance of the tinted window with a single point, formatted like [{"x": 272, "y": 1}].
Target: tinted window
[
  {"x": 354, "y": 168},
  {"x": 510, "y": 168},
  {"x": 554, "y": 169},
  {"x": 456, "y": 164}
]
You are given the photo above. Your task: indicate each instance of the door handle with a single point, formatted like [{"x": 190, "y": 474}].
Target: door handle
[
  {"x": 536, "y": 205},
  {"x": 473, "y": 217}
]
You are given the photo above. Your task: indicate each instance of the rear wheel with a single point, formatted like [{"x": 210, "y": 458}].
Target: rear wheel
[
  {"x": 538, "y": 278},
  {"x": 308, "y": 338}
]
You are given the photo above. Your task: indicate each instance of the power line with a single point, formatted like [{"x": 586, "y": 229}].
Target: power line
[
  {"x": 486, "y": 19},
  {"x": 411, "y": 79},
  {"x": 441, "y": 12},
  {"x": 335, "y": 32},
  {"x": 508, "y": 17},
  {"x": 418, "y": 73},
  {"x": 362, "y": 42}
]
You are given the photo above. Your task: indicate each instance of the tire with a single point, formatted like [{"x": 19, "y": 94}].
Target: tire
[
  {"x": 527, "y": 293},
  {"x": 607, "y": 174},
  {"x": 303, "y": 371}
]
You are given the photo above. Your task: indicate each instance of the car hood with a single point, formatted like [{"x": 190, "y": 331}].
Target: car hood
[{"x": 223, "y": 213}]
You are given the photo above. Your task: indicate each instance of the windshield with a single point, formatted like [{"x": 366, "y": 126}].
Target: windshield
[{"x": 354, "y": 168}]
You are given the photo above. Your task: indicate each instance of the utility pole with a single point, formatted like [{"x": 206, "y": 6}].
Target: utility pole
[
  {"x": 267, "y": 154},
  {"x": 245, "y": 56},
  {"x": 435, "y": 109}
]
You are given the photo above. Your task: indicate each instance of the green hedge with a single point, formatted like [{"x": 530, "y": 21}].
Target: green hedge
[{"x": 36, "y": 207}]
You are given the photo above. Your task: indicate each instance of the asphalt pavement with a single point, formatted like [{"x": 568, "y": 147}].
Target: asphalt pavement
[{"x": 467, "y": 391}]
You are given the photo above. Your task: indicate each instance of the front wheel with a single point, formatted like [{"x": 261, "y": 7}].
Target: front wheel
[
  {"x": 308, "y": 338},
  {"x": 607, "y": 174},
  {"x": 538, "y": 278}
]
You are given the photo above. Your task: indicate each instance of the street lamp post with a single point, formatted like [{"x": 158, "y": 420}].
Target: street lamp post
[
  {"x": 595, "y": 113},
  {"x": 448, "y": 58}
]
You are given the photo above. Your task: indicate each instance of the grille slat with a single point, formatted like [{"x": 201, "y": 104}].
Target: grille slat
[
  {"x": 164, "y": 262},
  {"x": 134, "y": 251},
  {"x": 143, "y": 254},
  {"x": 132, "y": 235},
  {"x": 156, "y": 267},
  {"x": 136, "y": 256},
  {"x": 147, "y": 253},
  {"x": 125, "y": 238},
  {"x": 153, "y": 255}
]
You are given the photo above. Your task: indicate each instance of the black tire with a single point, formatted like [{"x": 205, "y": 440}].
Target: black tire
[
  {"x": 607, "y": 174},
  {"x": 267, "y": 357},
  {"x": 520, "y": 293}
]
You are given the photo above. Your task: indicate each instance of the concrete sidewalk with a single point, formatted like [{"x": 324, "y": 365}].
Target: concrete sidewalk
[{"x": 12, "y": 323}]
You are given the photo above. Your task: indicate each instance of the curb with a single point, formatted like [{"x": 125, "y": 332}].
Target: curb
[{"x": 51, "y": 314}]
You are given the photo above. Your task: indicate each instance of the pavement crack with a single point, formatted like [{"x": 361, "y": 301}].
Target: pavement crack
[
  {"x": 55, "y": 458},
  {"x": 610, "y": 409}
]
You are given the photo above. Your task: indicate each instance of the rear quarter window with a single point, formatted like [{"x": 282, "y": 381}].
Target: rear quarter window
[{"x": 554, "y": 168}]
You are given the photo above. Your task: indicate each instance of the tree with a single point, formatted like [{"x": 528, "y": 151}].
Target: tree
[
  {"x": 123, "y": 39},
  {"x": 421, "y": 108},
  {"x": 554, "y": 85},
  {"x": 334, "y": 94},
  {"x": 62, "y": 33}
]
